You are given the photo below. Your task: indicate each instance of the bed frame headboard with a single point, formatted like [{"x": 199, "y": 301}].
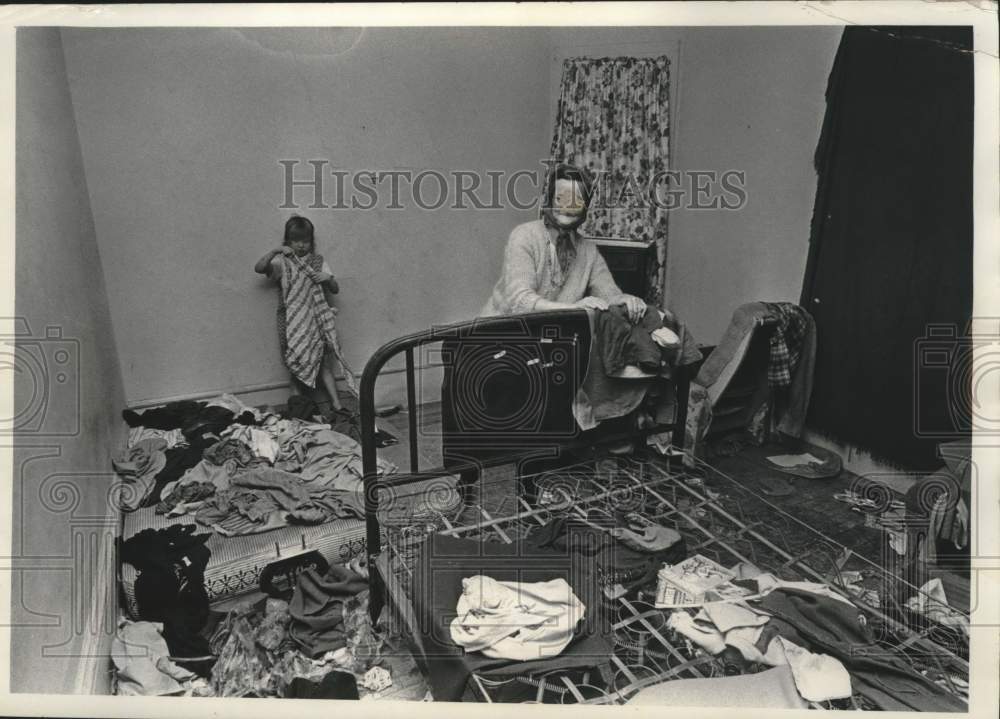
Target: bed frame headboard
[{"x": 542, "y": 342}]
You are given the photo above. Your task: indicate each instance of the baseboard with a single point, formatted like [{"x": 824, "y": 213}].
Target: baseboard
[
  {"x": 208, "y": 394},
  {"x": 280, "y": 389}
]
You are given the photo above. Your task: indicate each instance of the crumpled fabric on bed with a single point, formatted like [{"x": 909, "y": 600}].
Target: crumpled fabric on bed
[
  {"x": 649, "y": 538},
  {"x": 261, "y": 499},
  {"x": 173, "y": 415},
  {"x": 602, "y": 397},
  {"x": 515, "y": 620},
  {"x": 441, "y": 565},
  {"x": 819, "y": 677},
  {"x": 202, "y": 473},
  {"x": 172, "y": 437},
  {"x": 138, "y": 466},
  {"x": 179, "y": 460},
  {"x": 182, "y": 496},
  {"x": 622, "y": 343},
  {"x": 230, "y": 451},
  {"x": 219, "y": 464},
  {"x": 832, "y": 627},
  {"x": 726, "y": 616},
  {"x": 259, "y": 441},
  {"x": 200, "y": 424},
  {"x": 254, "y": 502},
  {"x": 284, "y": 429},
  {"x": 322, "y": 455},
  {"x": 628, "y": 565},
  {"x": 767, "y": 582},
  {"x": 234, "y": 405},
  {"x": 325, "y": 504}
]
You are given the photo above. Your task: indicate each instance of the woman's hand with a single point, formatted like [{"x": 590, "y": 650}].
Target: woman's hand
[
  {"x": 635, "y": 308},
  {"x": 323, "y": 277},
  {"x": 592, "y": 303},
  {"x": 284, "y": 250}
]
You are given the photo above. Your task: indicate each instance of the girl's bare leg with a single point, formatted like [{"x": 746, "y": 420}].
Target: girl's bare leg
[{"x": 328, "y": 378}]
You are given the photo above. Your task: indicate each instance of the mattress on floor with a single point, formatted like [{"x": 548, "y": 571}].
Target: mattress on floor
[{"x": 236, "y": 563}]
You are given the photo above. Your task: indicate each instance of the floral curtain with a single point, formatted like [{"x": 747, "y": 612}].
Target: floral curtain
[{"x": 613, "y": 119}]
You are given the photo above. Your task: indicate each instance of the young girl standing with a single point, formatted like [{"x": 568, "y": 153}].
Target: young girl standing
[{"x": 306, "y": 327}]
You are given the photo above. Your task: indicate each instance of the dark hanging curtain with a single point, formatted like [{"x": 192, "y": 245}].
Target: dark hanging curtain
[{"x": 889, "y": 274}]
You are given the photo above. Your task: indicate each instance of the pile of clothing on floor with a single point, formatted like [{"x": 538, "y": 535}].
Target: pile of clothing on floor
[
  {"x": 819, "y": 639},
  {"x": 534, "y": 607},
  {"x": 319, "y": 643},
  {"x": 239, "y": 470}
]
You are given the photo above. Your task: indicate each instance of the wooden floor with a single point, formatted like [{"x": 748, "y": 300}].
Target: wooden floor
[{"x": 428, "y": 434}]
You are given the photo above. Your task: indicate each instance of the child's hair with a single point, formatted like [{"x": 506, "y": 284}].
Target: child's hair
[{"x": 297, "y": 227}]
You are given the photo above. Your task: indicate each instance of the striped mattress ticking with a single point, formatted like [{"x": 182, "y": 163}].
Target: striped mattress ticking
[{"x": 237, "y": 562}]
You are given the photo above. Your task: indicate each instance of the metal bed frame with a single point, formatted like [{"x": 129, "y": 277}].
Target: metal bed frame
[
  {"x": 374, "y": 483},
  {"x": 713, "y": 512}
]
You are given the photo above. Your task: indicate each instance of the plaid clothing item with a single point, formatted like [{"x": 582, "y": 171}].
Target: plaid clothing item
[
  {"x": 306, "y": 327},
  {"x": 786, "y": 342}
]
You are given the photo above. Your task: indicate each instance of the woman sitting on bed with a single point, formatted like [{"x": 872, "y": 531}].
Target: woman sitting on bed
[{"x": 548, "y": 266}]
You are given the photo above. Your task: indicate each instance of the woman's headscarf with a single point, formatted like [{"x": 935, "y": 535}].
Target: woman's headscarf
[{"x": 559, "y": 179}]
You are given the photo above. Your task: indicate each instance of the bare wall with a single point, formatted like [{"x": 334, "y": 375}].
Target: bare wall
[
  {"x": 182, "y": 130},
  {"x": 750, "y": 99},
  {"x": 68, "y": 391},
  {"x": 181, "y": 133}
]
